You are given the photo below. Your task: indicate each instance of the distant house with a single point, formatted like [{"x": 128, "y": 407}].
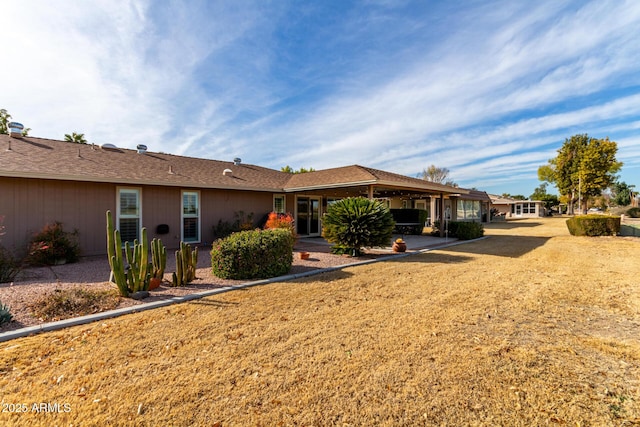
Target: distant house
[
  {"x": 183, "y": 198},
  {"x": 512, "y": 208}
]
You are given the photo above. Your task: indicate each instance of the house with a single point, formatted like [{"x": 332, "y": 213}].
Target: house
[
  {"x": 183, "y": 198},
  {"x": 512, "y": 208}
]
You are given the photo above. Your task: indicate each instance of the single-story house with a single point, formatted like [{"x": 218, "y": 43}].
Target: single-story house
[
  {"x": 513, "y": 208},
  {"x": 183, "y": 198}
]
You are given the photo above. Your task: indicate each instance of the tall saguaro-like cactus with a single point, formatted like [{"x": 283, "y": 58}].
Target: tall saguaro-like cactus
[
  {"x": 158, "y": 258},
  {"x": 186, "y": 261},
  {"x": 136, "y": 277}
]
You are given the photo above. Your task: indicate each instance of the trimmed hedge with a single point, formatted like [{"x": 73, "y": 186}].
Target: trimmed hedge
[
  {"x": 466, "y": 230},
  {"x": 253, "y": 254},
  {"x": 594, "y": 225},
  {"x": 463, "y": 230},
  {"x": 634, "y": 212}
]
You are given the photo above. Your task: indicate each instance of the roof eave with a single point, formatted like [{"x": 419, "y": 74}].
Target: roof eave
[{"x": 124, "y": 181}]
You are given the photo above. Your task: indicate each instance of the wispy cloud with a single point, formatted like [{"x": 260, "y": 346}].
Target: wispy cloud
[{"x": 489, "y": 90}]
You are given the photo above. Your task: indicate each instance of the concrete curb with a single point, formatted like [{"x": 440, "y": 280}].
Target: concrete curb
[{"x": 82, "y": 320}]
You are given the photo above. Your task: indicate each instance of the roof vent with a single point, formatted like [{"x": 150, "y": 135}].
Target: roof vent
[
  {"x": 141, "y": 148},
  {"x": 108, "y": 147},
  {"x": 15, "y": 129},
  {"x": 237, "y": 161},
  {"x": 227, "y": 172}
]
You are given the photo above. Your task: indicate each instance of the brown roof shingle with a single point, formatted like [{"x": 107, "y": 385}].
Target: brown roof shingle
[
  {"x": 30, "y": 157},
  {"x": 44, "y": 158}
]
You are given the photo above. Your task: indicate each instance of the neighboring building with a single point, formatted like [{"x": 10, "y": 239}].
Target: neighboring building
[
  {"x": 183, "y": 198},
  {"x": 512, "y": 208}
]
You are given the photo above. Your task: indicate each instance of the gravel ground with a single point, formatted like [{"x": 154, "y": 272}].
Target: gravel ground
[{"x": 93, "y": 273}]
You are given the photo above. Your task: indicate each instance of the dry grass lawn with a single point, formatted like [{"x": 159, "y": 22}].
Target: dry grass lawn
[{"x": 528, "y": 327}]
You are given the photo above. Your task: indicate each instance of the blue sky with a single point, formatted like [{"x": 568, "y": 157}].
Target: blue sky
[{"x": 487, "y": 89}]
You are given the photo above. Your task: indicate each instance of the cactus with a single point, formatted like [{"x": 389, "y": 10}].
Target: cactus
[
  {"x": 186, "y": 262},
  {"x": 139, "y": 273},
  {"x": 158, "y": 258},
  {"x": 136, "y": 277}
]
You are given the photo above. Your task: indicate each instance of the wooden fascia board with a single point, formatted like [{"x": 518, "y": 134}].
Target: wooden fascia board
[{"x": 125, "y": 181}]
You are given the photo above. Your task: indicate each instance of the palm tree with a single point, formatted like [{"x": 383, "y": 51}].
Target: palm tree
[{"x": 77, "y": 138}]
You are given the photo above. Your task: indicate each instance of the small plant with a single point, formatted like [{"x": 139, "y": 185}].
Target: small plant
[
  {"x": 253, "y": 254},
  {"x": 357, "y": 222},
  {"x": 226, "y": 228},
  {"x": 67, "y": 303},
  {"x": 280, "y": 220},
  {"x": 52, "y": 245},
  {"x": 186, "y": 263},
  {"x": 244, "y": 221},
  {"x": 5, "y": 314},
  {"x": 9, "y": 266}
]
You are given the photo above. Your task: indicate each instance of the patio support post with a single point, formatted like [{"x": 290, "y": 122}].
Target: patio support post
[
  {"x": 442, "y": 215},
  {"x": 370, "y": 192}
]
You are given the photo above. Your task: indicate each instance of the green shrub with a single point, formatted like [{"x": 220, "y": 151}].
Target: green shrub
[
  {"x": 9, "y": 265},
  {"x": 594, "y": 225},
  {"x": 466, "y": 230},
  {"x": 634, "y": 212},
  {"x": 53, "y": 245},
  {"x": 253, "y": 254},
  {"x": 357, "y": 222},
  {"x": 5, "y": 314},
  {"x": 462, "y": 230}
]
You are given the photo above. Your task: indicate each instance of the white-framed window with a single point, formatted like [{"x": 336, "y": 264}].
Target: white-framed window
[
  {"x": 468, "y": 209},
  {"x": 279, "y": 204},
  {"x": 191, "y": 216},
  {"x": 129, "y": 212}
]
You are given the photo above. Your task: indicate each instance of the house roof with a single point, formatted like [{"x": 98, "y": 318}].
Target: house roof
[
  {"x": 29, "y": 157},
  {"x": 356, "y": 175},
  {"x": 50, "y": 159}
]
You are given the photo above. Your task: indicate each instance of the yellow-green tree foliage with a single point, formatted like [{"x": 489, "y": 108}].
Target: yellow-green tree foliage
[{"x": 583, "y": 167}]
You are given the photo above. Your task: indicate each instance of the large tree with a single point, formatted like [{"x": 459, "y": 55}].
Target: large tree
[
  {"x": 437, "y": 175},
  {"x": 77, "y": 138},
  {"x": 583, "y": 167}
]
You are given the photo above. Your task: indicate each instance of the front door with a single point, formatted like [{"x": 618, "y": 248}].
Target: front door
[{"x": 308, "y": 216}]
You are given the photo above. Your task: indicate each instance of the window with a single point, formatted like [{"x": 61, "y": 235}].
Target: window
[
  {"x": 129, "y": 214},
  {"x": 278, "y": 204},
  {"x": 190, "y": 216},
  {"x": 468, "y": 209}
]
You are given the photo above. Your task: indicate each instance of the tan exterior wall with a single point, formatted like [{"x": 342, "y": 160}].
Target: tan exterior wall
[{"x": 29, "y": 204}]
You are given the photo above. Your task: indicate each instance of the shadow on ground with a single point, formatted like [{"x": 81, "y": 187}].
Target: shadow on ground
[{"x": 504, "y": 246}]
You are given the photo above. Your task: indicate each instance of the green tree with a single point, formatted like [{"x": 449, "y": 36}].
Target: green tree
[
  {"x": 583, "y": 167},
  {"x": 289, "y": 169},
  {"x": 437, "y": 175},
  {"x": 513, "y": 196},
  {"x": 5, "y": 118},
  {"x": 540, "y": 193},
  {"x": 357, "y": 222},
  {"x": 77, "y": 138},
  {"x": 621, "y": 194}
]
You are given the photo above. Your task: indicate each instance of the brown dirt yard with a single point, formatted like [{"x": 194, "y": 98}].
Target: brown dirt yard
[{"x": 530, "y": 326}]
